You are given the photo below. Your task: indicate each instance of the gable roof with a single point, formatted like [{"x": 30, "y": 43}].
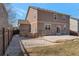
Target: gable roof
[
  {"x": 37, "y": 8},
  {"x": 74, "y": 18}
]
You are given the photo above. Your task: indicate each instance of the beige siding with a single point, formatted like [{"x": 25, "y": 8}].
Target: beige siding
[
  {"x": 78, "y": 25},
  {"x": 74, "y": 25},
  {"x": 32, "y": 15},
  {"x": 4, "y": 24},
  {"x": 50, "y": 16},
  {"x": 34, "y": 28},
  {"x": 52, "y": 31},
  {"x": 61, "y": 21},
  {"x": 39, "y": 18},
  {"x": 32, "y": 18}
]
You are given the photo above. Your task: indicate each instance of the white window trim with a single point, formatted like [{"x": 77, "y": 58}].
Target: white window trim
[{"x": 47, "y": 24}]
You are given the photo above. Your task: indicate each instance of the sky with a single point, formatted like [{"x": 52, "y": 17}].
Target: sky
[{"x": 20, "y": 9}]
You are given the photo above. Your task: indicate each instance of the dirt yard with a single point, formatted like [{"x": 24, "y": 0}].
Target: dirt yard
[
  {"x": 31, "y": 46},
  {"x": 67, "y": 48},
  {"x": 44, "y": 41}
]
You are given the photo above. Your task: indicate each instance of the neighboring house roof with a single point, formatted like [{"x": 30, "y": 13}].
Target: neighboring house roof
[
  {"x": 37, "y": 8},
  {"x": 4, "y": 8},
  {"x": 74, "y": 18},
  {"x": 3, "y": 16}
]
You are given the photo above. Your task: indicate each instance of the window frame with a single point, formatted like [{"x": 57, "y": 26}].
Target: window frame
[
  {"x": 47, "y": 26},
  {"x": 55, "y": 16}
]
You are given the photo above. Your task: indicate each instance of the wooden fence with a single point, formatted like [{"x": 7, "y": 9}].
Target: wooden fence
[{"x": 5, "y": 38}]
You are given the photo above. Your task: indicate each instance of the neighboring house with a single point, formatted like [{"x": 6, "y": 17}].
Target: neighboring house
[
  {"x": 74, "y": 25},
  {"x": 5, "y": 29},
  {"x": 24, "y": 27},
  {"x": 3, "y": 16},
  {"x": 47, "y": 22}
]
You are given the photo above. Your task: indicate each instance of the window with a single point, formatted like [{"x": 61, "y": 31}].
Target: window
[
  {"x": 65, "y": 26},
  {"x": 54, "y": 16},
  {"x": 58, "y": 30},
  {"x": 47, "y": 27}
]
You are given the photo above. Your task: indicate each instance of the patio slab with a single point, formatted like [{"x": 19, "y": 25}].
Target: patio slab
[{"x": 63, "y": 37}]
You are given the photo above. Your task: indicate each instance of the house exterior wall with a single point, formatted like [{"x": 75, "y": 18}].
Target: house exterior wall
[
  {"x": 5, "y": 29},
  {"x": 61, "y": 21},
  {"x": 78, "y": 26},
  {"x": 32, "y": 18},
  {"x": 74, "y": 25},
  {"x": 3, "y": 16},
  {"x": 39, "y": 19}
]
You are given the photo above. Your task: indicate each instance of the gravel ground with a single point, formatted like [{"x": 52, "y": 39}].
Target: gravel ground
[{"x": 14, "y": 48}]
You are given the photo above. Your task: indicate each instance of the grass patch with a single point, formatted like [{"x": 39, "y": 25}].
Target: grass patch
[{"x": 67, "y": 48}]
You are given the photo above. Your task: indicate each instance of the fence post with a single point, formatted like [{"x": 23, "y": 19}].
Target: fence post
[
  {"x": 3, "y": 40},
  {"x": 8, "y": 36}
]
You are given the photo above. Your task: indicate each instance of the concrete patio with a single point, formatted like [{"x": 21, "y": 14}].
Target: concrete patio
[{"x": 60, "y": 37}]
